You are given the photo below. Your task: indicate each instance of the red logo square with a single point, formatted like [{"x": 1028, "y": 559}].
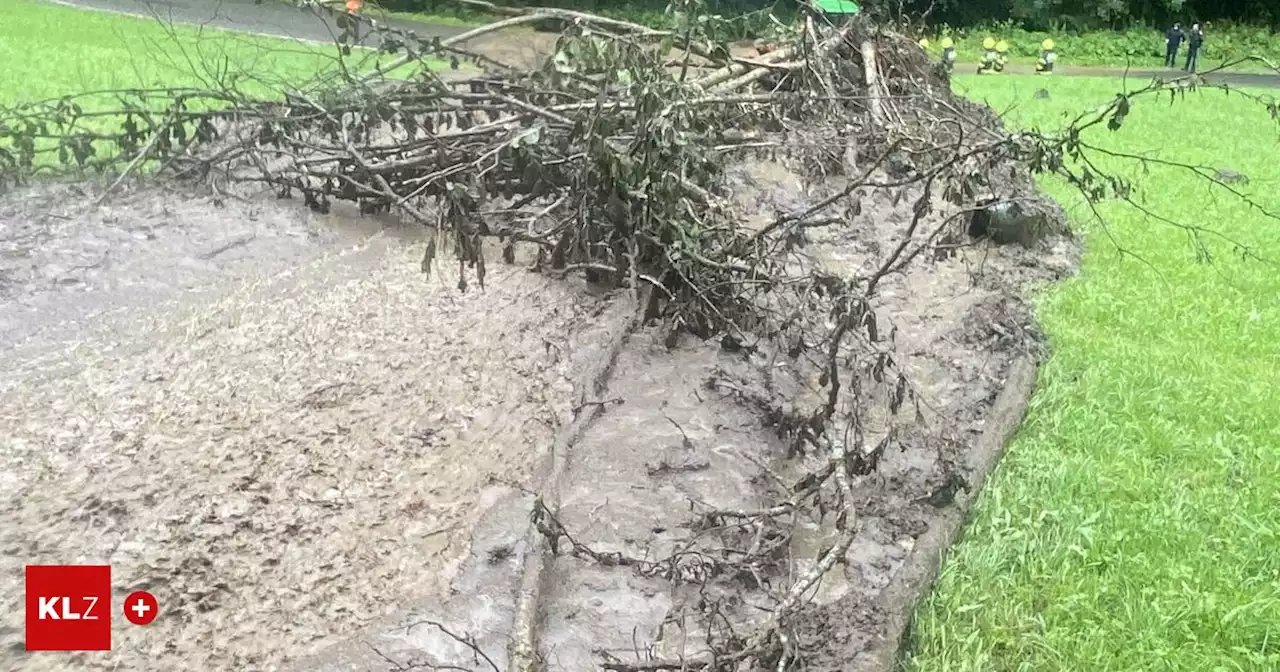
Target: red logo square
[{"x": 68, "y": 608}]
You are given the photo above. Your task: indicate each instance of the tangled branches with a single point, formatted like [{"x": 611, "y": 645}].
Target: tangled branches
[{"x": 608, "y": 158}]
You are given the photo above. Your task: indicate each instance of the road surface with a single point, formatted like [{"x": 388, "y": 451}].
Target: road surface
[{"x": 1238, "y": 79}]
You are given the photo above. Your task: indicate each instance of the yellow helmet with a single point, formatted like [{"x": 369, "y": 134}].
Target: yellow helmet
[
  {"x": 924, "y": 43},
  {"x": 1002, "y": 46},
  {"x": 989, "y": 43},
  {"x": 947, "y": 43},
  {"x": 1047, "y": 45}
]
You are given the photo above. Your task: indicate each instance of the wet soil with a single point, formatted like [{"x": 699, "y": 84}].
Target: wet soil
[
  {"x": 685, "y": 433},
  {"x": 271, "y": 420},
  {"x": 692, "y": 437}
]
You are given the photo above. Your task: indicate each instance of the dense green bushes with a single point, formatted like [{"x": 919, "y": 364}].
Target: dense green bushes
[
  {"x": 1137, "y": 46},
  {"x": 649, "y": 12},
  {"x": 1051, "y": 15},
  {"x": 1086, "y": 15}
]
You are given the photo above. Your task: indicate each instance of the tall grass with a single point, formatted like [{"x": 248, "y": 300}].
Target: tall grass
[{"x": 1135, "y": 521}]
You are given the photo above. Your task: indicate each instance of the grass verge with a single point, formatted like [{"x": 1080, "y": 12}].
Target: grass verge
[
  {"x": 51, "y": 50},
  {"x": 1135, "y": 522}
]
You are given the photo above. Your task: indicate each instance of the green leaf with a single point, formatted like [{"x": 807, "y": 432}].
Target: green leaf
[{"x": 562, "y": 64}]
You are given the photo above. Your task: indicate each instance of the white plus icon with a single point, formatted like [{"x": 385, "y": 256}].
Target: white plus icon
[{"x": 140, "y": 608}]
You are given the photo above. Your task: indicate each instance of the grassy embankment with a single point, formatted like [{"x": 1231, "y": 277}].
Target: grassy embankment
[{"x": 1135, "y": 521}]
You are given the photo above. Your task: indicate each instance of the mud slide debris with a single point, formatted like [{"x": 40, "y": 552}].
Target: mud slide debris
[{"x": 773, "y": 302}]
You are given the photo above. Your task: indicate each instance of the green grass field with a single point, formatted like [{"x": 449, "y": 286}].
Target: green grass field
[
  {"x": 1135, "y": 522},
  {"x": 52, "y": 51},
  {"x": 49, "y": 51}
]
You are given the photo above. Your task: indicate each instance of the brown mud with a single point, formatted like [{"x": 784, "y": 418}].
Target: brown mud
[
  {"x": 271, "y": 439},
  {"x": 684, "y": 433},
  {"x": 277, "y": 424}
]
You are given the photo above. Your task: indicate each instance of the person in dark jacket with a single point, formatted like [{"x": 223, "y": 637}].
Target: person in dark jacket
[
  {"x": 1194, "y": 40},
  {"x": 1173, "y": 40}
]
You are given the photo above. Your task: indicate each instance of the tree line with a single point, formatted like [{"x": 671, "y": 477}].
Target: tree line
[
  {"x": 1052, "y": 15},
  {"x": 1083, "y": 15}
]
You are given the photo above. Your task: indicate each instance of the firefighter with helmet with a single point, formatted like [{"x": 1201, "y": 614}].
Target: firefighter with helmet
[
  {"x": 1002, "y": 55},
  {"x": 988, "y": 62},
  {"x": 1048, "y": 56},
  {"x": 990, "y": 59},
  {"x": 948, "y": 54}
]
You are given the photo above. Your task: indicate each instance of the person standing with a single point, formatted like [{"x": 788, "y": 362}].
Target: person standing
[
  {"x": 1173, "y": 40},
  {"x": 350, "y": 24},
  {"x": 948, "y": 54},
  {"x": 1194, "y": 40},
  {"x": 1048, "y": 56}
]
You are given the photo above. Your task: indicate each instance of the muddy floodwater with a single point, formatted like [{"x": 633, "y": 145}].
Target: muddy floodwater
[
  {"x": 306, "y": 447},
  {"x": 270, "y": 419}
]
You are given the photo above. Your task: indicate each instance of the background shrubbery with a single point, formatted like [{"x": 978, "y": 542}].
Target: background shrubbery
[
  {"x": 744, "y": 19},
  {"x": 1107, "y": 32},
  {"x": 1057, "y": 16},
  {"x": 1140, "y": 47}
]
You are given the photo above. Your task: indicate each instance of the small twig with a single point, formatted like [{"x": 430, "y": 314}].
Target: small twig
[
  {"x": 137, "y": 160},
  {"x": 238, "y": 242},
  {"x": 465, "y": 640},
  {"x": 618, "y": 401}
]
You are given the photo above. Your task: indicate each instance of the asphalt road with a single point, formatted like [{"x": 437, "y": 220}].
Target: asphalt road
[{"x": 1236, "y": 79}]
